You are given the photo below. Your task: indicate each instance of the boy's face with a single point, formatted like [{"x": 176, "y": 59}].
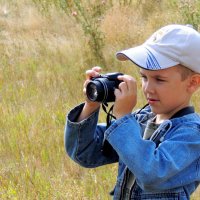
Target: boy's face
[{"x": 165, "y": 91}]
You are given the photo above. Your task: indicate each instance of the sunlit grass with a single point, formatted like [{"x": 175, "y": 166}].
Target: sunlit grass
[{"x": 42, "y": 64}]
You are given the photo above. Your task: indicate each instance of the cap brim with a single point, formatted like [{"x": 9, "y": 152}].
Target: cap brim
[{"x": 146, "y": 58}]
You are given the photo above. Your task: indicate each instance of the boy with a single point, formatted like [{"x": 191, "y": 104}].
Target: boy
[{"x": 158, "y": 148}]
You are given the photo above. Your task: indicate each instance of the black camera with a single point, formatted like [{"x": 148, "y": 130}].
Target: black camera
[{"x": 102, "y": 88}]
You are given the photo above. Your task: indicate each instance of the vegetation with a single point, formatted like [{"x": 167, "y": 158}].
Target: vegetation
[{"x": 45, "y": 48}]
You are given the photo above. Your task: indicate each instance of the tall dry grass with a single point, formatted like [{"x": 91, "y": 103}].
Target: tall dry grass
[{"x": 43, "y": 59}]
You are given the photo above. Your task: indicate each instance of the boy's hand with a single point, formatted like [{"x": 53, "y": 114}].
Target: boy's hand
[
  {"x": 89, "y": 106},
  {"x": 126, "y": 96}
]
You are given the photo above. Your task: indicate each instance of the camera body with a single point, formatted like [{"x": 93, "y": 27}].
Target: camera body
[{"x": 101, "y": 89}]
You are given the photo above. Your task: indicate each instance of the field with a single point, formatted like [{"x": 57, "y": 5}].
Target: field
[{"x": 45, "y": 51}]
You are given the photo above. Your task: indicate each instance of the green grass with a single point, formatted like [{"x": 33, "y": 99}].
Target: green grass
[{"x": 42, "y": 65}]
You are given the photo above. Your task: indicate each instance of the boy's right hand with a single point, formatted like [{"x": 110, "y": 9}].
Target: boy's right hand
[{"x": 89, "y": 106}]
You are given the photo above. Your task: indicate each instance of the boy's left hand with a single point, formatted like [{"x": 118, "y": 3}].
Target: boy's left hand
[{"x": 126, "y": 96}]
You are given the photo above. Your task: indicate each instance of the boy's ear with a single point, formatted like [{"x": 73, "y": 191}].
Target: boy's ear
[{"x": 194, "y": 83}]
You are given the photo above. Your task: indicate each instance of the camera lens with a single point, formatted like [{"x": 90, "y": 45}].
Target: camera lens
[
  {"x": 95, "y": 91},
  {"x": 92, "y": 92}
]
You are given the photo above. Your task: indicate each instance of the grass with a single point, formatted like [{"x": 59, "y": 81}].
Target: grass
[{"x": 43, "y": 59}]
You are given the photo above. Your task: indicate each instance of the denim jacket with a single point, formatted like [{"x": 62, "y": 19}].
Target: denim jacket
[{"x": 167, "y": 166}]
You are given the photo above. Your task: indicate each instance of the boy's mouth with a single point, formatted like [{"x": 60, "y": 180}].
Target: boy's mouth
[{"x": 152, "y": 101}]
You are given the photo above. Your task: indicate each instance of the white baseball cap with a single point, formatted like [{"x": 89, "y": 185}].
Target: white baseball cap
[{"x": 167, "y": 47}]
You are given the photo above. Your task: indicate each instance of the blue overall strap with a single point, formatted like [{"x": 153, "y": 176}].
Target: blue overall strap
[{"x": 184, "y": 111}]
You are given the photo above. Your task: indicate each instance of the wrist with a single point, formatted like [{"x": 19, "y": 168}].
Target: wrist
[
  {"x": 120, "y": 115},
  {"x": 92, "y": 105},
  {"x": 87, "y": 110}
]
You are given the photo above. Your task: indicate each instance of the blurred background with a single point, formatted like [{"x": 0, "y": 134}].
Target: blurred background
[{"x": 45, "y": 48}]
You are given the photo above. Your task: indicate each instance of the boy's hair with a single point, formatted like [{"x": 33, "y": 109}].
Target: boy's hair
[
  {"x": 169, "y": 46},
  {"x": 184, "y": 71}
]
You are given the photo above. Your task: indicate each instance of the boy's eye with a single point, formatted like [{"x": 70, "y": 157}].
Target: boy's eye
[
  {"x": 160, "y": 80},
  {"x": 143, "y": 77}
]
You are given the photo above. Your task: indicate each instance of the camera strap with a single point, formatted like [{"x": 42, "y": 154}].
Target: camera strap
[
  {"x": 107, "y": 149},
  {"x": 109, "y": 113}
]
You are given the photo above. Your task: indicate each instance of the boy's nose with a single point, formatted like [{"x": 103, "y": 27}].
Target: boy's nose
[{"x": 148, "y": 88}]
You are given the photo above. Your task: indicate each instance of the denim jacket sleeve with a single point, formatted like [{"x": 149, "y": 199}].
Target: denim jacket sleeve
[
  {"x": 153, "y": 166},
  {"x": 83, "y": 140}
]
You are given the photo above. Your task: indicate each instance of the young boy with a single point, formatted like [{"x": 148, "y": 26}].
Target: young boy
[{"x": 158, "y": 148}]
